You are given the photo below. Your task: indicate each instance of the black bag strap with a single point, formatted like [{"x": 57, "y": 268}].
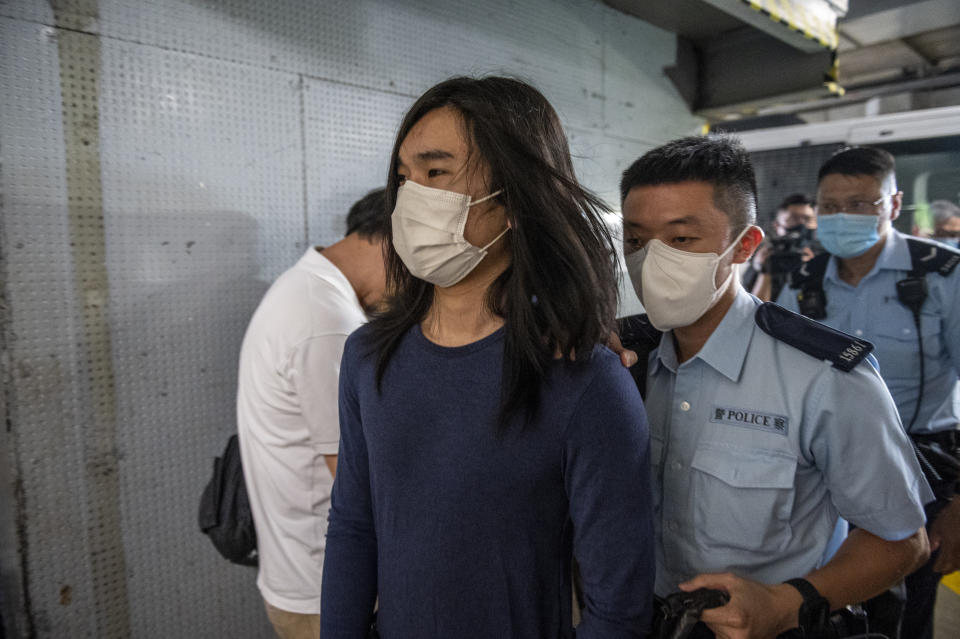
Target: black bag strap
[
  {"x": 811, "y": 272},
  {"x": 811, "y": 299},
  {"x": 925, "y": 257}
]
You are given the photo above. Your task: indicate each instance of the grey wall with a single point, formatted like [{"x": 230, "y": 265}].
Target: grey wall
[{"x": 162, "y": 162}]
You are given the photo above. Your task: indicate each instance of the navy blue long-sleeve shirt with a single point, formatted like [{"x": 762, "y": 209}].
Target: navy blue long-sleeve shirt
[{"x": 464, "y": 534}]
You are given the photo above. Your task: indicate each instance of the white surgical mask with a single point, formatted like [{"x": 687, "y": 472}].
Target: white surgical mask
[
  {"x": 428, "y": 228},
  {"x": 676, "y": 287}
]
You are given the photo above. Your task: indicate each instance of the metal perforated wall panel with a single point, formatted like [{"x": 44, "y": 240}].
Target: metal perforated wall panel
[
  {"x": 348, "y": 131},
  {"x": 782, "y": 172},
  {"x": 160, "y": 163}
]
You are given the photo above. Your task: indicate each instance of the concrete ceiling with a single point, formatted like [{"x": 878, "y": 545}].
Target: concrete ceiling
[
  {"x": 886, "y": 47},
  {"x": 694, "y": 19},
  {"x": 900, "y": 43}
]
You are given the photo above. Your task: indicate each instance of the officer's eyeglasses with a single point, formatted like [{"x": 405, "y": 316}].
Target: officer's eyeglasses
[{"x": 858, "y": 207}]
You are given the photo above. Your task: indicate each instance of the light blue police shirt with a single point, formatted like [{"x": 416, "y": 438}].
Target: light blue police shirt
[
  {"x": 758, "y": 448},
  {"x": 872, "y": 311}
]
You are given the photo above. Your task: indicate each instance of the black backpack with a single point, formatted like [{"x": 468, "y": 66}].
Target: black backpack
[{"x": 225, "y": 514}]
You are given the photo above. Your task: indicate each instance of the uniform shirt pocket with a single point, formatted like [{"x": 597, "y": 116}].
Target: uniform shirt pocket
[
  {"x": 742, "y": 497},
  {"x": 898, "y": 347}
]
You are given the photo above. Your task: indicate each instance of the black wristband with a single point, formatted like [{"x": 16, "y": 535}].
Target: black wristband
[
  {"x": 806, "y": 589},
  {"x": 814, "y": 613}
]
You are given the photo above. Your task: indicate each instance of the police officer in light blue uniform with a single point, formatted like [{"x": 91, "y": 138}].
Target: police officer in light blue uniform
[
  {"x": 760, "y": 439},
  {"x": 903, "y": 295},
  {"x": 946, "y": 222}
]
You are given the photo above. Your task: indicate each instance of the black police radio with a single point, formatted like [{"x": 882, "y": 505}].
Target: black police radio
[{"x": 925, "y": 257}]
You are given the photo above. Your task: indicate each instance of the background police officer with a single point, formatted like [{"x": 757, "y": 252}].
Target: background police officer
[
  {"x": 759, "y": 438},
  {"x": 883, "y": 286},
  {"x": 946, "y": 222}
]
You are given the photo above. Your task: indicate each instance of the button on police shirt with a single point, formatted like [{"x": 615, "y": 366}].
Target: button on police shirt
[
  {"x": 871, "y": 310},
  {"x": 758, "y": 448}
]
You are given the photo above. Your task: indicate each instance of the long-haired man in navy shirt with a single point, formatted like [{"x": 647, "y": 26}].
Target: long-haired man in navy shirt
[{"x": 487, "y": 436}]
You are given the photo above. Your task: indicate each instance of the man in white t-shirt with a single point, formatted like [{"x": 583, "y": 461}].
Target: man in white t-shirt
[{"x": 287, "y": 415}]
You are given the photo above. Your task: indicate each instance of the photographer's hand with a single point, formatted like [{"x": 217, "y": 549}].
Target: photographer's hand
[{"x": 760, "y": 257}]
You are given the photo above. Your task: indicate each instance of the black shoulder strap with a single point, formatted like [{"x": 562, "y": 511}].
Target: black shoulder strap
[
  {"x": 638, "y": 335},
  {"x": 811, "y": 298},
  {"x": 813, "y": 338},
  {"x": 810, "y": 273},
  {"x": 932, "y": 257}
]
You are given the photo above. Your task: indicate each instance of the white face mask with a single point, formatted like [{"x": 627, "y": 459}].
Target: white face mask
[
  {"x": 676, "y": 287},
  {"x": 428, "y": 233}
]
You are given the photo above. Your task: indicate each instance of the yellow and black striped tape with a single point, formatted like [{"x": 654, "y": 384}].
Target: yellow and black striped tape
[{"x": 797, "y": 19}]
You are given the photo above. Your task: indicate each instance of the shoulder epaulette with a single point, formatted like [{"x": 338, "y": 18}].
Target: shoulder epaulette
[
  {"x": 813, "y": 338},
  {"x": 811, "y": 271},
  {"x": 932, "y": 257}
]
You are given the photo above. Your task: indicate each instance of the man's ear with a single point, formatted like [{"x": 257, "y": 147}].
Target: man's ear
[
  {"x": 747, "y": 244},
  {"x": 897, "y": 205}
]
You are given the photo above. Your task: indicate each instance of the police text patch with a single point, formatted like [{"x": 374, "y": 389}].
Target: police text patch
[{"x": 749, "y": 419}]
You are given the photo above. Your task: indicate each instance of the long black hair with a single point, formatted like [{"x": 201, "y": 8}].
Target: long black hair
[{"x": 559, "y": 293}]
